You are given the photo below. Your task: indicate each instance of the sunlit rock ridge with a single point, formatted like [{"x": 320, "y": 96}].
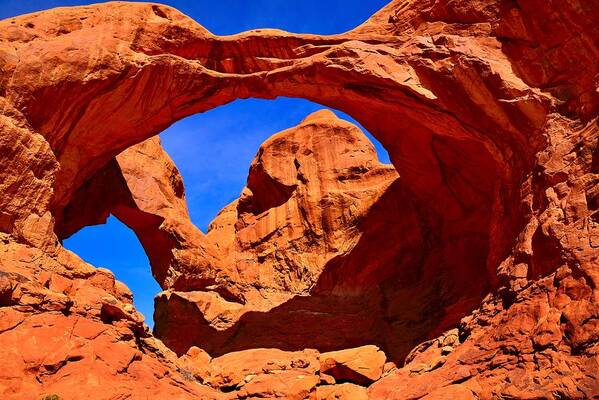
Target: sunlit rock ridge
[{"x": 468, "y": 269}]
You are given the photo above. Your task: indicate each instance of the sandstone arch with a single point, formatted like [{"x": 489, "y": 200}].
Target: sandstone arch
[
  {"x": 481, "y": 107},
  {"x": 205, "y": 76},
  {"x": 145, "y": 80}
]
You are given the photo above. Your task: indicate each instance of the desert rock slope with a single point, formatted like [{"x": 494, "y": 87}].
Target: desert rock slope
[{"x": 468, "y": 269}]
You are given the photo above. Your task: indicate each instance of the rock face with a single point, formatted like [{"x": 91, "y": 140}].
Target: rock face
[
  {"x": 68, "y": 328},
  {"x": 485, "y": 251},
  {"x": 301, "y": 216},
  {"x": 345, "y": 391},
  {"x": 323, "y": 235},
  {"x": 143, "y": 188}
]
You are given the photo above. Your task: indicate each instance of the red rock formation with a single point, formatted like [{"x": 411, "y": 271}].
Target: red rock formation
[
  {"x": 344, "y": 391},
  {"x": 286, "y": 244},
  {"x": 298, "y": 246},
  {"x": 362, "y": 365},
  {"x": 488, "y": 110},
  {"x": 268, "y": 373},
  {"x": 70, "y": 329},
  {"x": 143, "y": 188}
]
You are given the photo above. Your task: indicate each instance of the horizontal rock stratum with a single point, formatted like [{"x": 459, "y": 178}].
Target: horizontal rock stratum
[{"x": 471, "y": 272}]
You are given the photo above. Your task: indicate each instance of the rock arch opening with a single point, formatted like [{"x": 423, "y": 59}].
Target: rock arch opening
[
  {"x": 461, "y": 162},
  {"x": 114, "y": 246},
  {"x": 482, "y": 109},
  {"x": 213, "y": 150},
  {"x": 458, "y": 164},
  {"x": 143, "y": 188}
]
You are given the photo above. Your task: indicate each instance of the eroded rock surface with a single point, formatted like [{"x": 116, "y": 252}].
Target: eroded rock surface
[
  {"x": 273, "y": 373},
  {"x": 488, "y": 110},
  {"x": 143, "y": 188},
  {"x": 362, "y": 365},
  {"x": 287, "y": 248},
  {"x": 68, "y": 328}
]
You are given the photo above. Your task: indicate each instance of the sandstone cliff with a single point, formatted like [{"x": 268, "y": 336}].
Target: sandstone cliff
[
  {"x": 310, "y": 192},
  {"x": 488, "y": 110}
]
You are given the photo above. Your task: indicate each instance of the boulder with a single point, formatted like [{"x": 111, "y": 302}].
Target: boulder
[
  {"x": 343, "y": 391},
  {"x": 238, "y": 368},
  {"x": 361, "y": 365}
]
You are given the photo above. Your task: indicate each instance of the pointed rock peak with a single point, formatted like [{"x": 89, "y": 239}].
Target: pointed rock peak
[{"x": 320, "y": 114}]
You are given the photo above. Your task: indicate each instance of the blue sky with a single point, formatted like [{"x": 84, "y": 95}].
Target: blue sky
[{"x": 213, "y": 150}]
